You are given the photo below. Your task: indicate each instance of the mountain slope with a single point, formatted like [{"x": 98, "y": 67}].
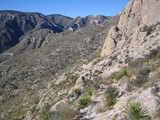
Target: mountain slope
[
  {"x": 60, "y": 20},
  {"x": 14, "y": 25},
  {"x": 31, "y": 67},
  {"x": 90, "y": 20}
]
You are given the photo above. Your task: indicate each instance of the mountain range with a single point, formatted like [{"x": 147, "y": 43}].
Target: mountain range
[{"x": 14, "y": 25}]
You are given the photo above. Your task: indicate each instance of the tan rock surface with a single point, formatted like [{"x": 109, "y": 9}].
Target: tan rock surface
[{"x": 133, "y": 19}]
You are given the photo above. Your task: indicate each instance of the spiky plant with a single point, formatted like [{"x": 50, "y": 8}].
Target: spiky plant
[{"x": 135, "y": 111}]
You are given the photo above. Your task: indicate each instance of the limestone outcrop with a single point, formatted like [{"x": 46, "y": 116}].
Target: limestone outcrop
[{"x": 137, "y": 21}]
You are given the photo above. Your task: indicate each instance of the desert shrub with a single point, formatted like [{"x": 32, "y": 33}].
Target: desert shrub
[
  {"x": 84, "y": 102},
  {"x": 46, "y": 111},
  {"x": 129, "y": 87},
  {"x": 71, "y": 77},
  {"x": 144, "y": 71},
  {"x": 153, "y": 57},
  {"x": 65, "y": 112},
  {"x": 118, "y": 75},
  {"x": 77, "y": 92},
  {"x": 157, "y": 113},
  {"x": 139, "y": 81},
  {"x": 98, "y": 72},
  {"x": 158, "y": 55},
  {"x": 135, "y": 111},
  {"x": 114, "y": 57},
  {"x": 114, "y": 75},
  {"x": 111, "y": 95},
  {"x": 90, "y": 92},
  {"x": 120, "y": 62},
  {"x": 96, "y": 85},
  {"x": 97, "y": 82},
  {"x": 124, "y": 72},
  {"x": 109, "y": 63},
  {"x": 136, "y": 63},
  {"x": 155, "y": 53},
  {"x": 147, "y": 29},
  {"x": 155, "y": 91}
]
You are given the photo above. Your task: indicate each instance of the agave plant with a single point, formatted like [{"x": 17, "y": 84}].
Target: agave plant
[{"x": 135, "y": 111}]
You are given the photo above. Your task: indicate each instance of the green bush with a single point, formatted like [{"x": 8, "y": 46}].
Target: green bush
[
  {"x": 124, "y": 72},
  {"x": 136, "y": 63},
  {"x": 158, "y": 57},
  {"x": 71, "y": 77},
  {"x": 129, "y": 87},
  {"x": 118, "y": 75},
  {"x": 134, "y": 111},
  {"x": 158, "y": 113},
  {"x": 77, "y": 92},
  {"x": 111, "y": 95},
  {"x": 114, "y": 57},
  {"x": 90, "y": 92},
  {"x": 155, "y": 53},
  {"x": 111, "y": 101},
  {"x": 84, "y": 102},
  {"x": 147, "y": 29},
  {"x": 155, "y": 91},
  {"x": 109, "y": 63},
  {"x": 139, "y": 81},
  {"x": 144, "y": 71},
  {"x": 46, "y": 111},
  {"x": 113, "y": 75}
]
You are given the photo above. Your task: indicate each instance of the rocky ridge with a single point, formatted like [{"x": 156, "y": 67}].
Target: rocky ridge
[{"x": 15, "y": 24}]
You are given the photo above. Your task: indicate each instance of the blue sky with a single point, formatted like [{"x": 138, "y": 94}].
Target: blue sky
[{"x": 70, "y": 8}]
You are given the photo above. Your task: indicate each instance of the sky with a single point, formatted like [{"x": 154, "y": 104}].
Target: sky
[{"x": 72, "y": 8}]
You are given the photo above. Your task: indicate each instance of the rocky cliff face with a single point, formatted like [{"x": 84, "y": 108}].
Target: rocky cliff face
[
  {"x": 137, "y": 13},
  {"x": 134, "y": 25}
]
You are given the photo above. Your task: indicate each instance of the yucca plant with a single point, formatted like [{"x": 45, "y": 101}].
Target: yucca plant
[
  {"x": 135, "y": 111},
  {"x": 84, "y": 102}
]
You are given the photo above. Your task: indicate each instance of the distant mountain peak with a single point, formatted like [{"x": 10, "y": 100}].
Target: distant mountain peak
[{"x": 14, "y": 24}]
